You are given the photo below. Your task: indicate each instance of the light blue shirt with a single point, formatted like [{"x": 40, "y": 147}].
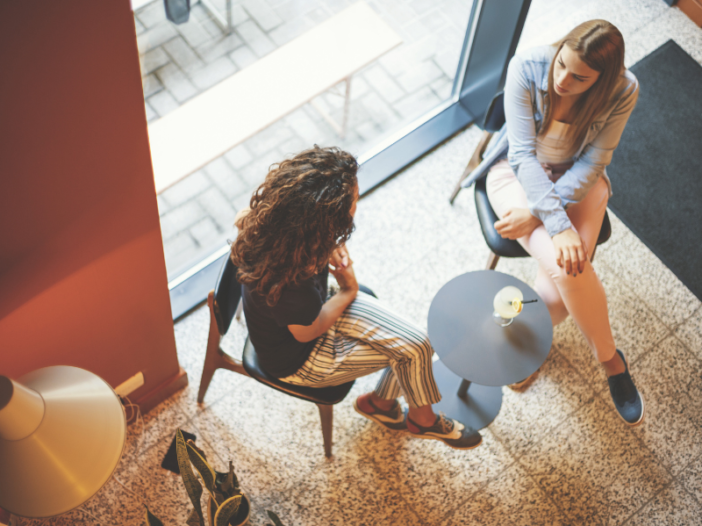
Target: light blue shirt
[{"x": 525, "y": 90}]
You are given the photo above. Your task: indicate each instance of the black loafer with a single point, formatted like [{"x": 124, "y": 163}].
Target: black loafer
[{"x": 626, "y": 397}]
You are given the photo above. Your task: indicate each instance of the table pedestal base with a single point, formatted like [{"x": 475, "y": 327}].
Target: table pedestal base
[{"x": 477, "y": 409}]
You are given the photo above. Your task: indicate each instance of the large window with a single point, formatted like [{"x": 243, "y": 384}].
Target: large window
[
  {"x": 183, "y": 62},
  {"x": 429, "y": 69}
]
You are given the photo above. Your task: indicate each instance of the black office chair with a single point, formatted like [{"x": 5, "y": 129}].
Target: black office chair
[
  {"x": 223, "y": 302},
  {"x": 500, "y": 247}
]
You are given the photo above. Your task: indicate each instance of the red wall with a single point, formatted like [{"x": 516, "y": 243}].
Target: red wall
[{"x": 82, "y": 273}]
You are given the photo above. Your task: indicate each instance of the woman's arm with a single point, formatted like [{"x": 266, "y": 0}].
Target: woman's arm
[
  {"x": 342, "y": 270},
  {"x": 576, "y": 182},
  {"x": 544, "y": 202}
]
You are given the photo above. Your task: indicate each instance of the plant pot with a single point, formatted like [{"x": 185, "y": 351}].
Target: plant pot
[{"x": 241, "y": 518}]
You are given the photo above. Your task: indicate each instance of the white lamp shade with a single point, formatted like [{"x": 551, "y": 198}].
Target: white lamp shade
[{"x": 62, "y": 432}]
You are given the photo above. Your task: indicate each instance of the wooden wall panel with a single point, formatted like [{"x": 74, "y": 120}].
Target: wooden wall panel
[{"x": 82, "y": 271}]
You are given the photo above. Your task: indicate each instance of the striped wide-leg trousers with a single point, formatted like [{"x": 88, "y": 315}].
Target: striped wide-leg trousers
[{"x": 366, "y": 338}]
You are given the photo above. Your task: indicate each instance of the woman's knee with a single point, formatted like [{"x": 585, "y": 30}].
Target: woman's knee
[
  {"x": 418, "y": 348},
  {"x": 548, "y": 264}
]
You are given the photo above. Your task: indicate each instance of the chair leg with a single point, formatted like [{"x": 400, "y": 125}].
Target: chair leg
[
  {"x": 213, "y": 340},
  {"x": 492, "y": 261},
  {"x": 215, "y": 358},
  {"x": 472, "y": 164},
  {"x": 326, "y": 415},
  {"x": 239, "y": 309}
]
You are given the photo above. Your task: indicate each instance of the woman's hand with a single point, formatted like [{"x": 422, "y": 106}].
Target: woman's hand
[
  {"x": 516, "y": 223},
  {"x": 341, "y": 267},
  {"x": 571, "y": 252},
  {"x": 339, "y": 258}
]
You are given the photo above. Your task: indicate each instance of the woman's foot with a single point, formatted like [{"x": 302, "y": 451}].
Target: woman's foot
[
  {"x": 627, "y": 399},
  {"x": 392, "y": 417},
  {"x": 524, "y": 384},
  {"x": 450, "y": 432}
]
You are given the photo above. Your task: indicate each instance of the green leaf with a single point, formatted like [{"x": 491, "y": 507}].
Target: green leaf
[
  {"x": 227, "y": 482},
  {"x": 274, "y": 518},
  {"x": 227, "y": 510},
  {"x": 151, "y": 519},
  {"x": 192, "y": 485},
  {"x": 203, "y": 468},
  {"x": 231, "y": 477},
  {"x": 193, "y": 519},
  {"x": 200, "y": 451}
]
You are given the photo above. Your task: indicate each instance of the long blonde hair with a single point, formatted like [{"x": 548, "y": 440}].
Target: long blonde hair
[{"x": 600, "y": 45}]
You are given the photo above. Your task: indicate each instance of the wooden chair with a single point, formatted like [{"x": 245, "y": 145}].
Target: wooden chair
[
  {"x": 500, "y": 247},
  {"x": 224, "y": 302}
]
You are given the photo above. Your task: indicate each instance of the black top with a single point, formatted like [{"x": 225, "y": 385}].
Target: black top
[{"x": 279, "y": 353}]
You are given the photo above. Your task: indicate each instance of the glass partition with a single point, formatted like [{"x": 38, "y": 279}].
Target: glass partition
[{"x": 392, "y": 90}]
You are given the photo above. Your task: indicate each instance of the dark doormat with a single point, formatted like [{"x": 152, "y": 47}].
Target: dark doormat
[{"x": 656, "y": 171}]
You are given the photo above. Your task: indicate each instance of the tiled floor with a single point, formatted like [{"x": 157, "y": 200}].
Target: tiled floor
[{"x": 557, "y": 454}]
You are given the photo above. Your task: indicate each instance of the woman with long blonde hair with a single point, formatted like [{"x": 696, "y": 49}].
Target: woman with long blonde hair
[{"x": 566, "y": 106}]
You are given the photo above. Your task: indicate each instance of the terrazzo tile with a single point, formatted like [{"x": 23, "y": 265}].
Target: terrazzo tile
[
  {"x": 269, "y": 431},
  {"x": 432, "y": 477},
  {"x": 381, "y": 246},
  {"x": 668, "y": 379},
  {"x": 690, "y": 333},
  {"x": 551, "y": 24},
  {"x": 526, "y": 417},
  {"x": 156, "y": 424},
  {"x": 395, "y": 229},
  {"x": 691, "y": 479},
  {"x": 594, "y": 468},
  {"x": 649, "y": 279},
  {"x": 191, "y": 341},
  {"x": 628, "y": 492},
  {"x": 351, "y": 495},
  {"x": 114, "y": 506},
  {"x": 672, "y": 507},
  {"x": 512, "y": 498},
  {"x": 671, "y": 24},
  {"x": 412, "y": 292}
]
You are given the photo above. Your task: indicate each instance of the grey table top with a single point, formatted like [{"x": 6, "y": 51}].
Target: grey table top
[{"x": 472, "y": 345}]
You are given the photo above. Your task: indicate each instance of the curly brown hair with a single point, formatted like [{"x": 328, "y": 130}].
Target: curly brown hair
[{"x": 298, "y": 216}]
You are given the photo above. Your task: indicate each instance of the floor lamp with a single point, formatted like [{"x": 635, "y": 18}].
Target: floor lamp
[{"x": 62, "y": 432}]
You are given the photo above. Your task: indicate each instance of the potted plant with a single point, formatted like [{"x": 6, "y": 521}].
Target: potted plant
[{"x": 227, "y": 505}]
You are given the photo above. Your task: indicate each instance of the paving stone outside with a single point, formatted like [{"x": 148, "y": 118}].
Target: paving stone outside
[{"x": 180, "y": 62}]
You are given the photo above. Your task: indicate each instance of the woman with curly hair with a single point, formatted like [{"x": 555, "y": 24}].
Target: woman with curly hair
[{"x": 289, "y": 240}]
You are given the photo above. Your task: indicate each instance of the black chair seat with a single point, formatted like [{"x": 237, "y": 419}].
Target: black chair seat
[
  {"x": 223, "y": 302},
  {"x": 506, "y": 247},
  {"x": 318, "y": 395}
]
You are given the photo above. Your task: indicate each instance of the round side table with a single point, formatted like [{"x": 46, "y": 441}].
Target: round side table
[{"x": 477, "y": 356}]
